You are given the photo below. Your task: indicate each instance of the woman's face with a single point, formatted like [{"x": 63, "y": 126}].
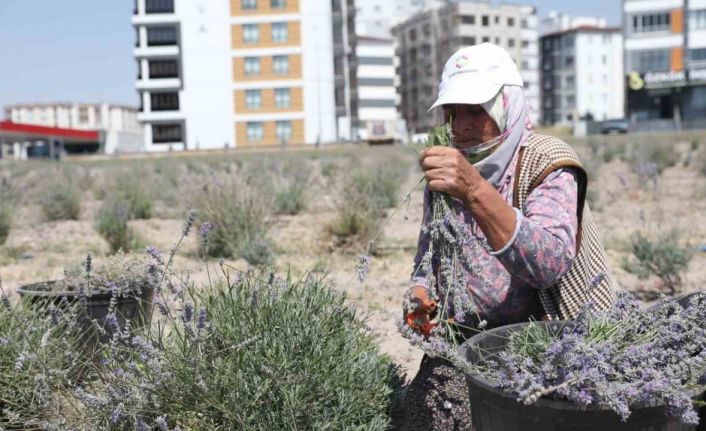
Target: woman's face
[{"x": 470, "y": 124}]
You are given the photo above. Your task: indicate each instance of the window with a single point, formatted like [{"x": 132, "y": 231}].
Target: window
[
  {"x": 426, "y": 30},
  {"x": 412, "y": 35},
  {"x": 697, "y": 19},
  {"x": 163, "y": 69},
  {"x": 468, "y": 19},
  {"x": 283, "y": 98},
  {"x": 497, "y": 19},
  {"x": 697, "y": 54},
  {"x": 278, "y": 4},
  {"x": 650, "y": 60},
  {"x": 283, "y": 129},
  {"x": 525, "y": 43},
  {"x": 253, "y": 99},
  {"x": 248, "y": 4},
  {"x": 570, "y": 80},
  {"x": 604, "y": 59},
  {"x": 280, "y": 64},
  {"x": 525, "y": 65},
  {"x": 468, "y": 40},
  {"x": 651, "y": 22},
  {"x": 524, "y": 23},
  {"x": 168, "y": 101},
  {"x": 251, "y": 33},
  {"x": 511, "y": 22},
  {"x": 486, "y": 39},
  {"x": 279, "y": 32},
  {"x": 252, "y": 65},
  {"x": 511, "y": 43},
  {"x": 255, "y": 131},
  {"x": 485, "y": 20},
  {"x": 167, "y": 133},
  {"x": 569, "y": 61},
  {"x": 162, "y": 36},
  {"x": 159, "y": 6}
]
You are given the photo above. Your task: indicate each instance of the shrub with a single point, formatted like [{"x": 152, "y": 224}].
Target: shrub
[
  {"x": 61, "y": 199},
  {"x": 136, "y": 194},
  {"x": 290, "y": 188},
  {"x": 239, "y": 214},
  {"x": 261, "y": 353},
  {"x": 112, "y": 224},
  {"x": 37, "y": 359},
  {"x": 5, "y": 222},
  {"x": 358, "y": 210},
  {"x": 663, "y": 257},
  {"x": 658, "y": 155}
]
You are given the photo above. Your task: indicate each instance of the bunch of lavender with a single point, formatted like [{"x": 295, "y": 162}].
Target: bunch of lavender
[
  {"x": 38, "y": 363},
  {"x": 248, "y": 351},
  {"x": 617, "y": 358},
  {"x": 446, "y": 257}
]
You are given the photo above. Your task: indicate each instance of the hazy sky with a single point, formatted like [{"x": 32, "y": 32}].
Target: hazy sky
[{"x": 81, "y": 50}]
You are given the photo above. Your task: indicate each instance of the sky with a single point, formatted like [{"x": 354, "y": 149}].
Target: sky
[{"x": 81, "y": 50}]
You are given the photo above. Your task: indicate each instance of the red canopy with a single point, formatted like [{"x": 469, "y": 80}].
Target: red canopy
[{"x": 30, "y": 132}]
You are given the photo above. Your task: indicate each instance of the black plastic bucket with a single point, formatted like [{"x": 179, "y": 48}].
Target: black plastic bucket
[
  {"x": 495, "y": 410},
  {"x": 137, "y": 309}
]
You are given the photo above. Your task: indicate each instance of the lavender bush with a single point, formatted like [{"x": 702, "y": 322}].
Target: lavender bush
[
  {"x": 38, "y": 364},
  {"x": 250, "y": 351},
  {"x": 61, "y": 198},
  {"x": 112, "y": 224},
  {"x": 663, "y": 257}
]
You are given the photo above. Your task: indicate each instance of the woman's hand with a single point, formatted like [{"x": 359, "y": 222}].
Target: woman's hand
[{"x": 447, "y": 171}]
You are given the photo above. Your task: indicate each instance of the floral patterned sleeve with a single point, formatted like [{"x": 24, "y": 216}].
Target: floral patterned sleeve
[{"x": 544, "y": 244}]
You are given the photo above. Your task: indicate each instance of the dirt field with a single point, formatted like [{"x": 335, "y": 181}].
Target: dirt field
[{"x": 37, "y": 250}]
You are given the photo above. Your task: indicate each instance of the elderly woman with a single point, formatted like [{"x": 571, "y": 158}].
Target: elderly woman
[{"x": 522, "y": 196}]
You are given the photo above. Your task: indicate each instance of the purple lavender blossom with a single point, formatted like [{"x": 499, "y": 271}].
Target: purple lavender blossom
[
  {"x": 201, "y": 319},
  {"x": 189, "y": 222},
  {"x": 187, "y": 313},
  {"x": 204, "y": 231},
  {"x": 363, "y": 267}
]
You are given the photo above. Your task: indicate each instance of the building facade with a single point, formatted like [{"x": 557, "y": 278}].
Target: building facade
[
  {"x": 377, "y": 94},
  {"x": 76, "y": 116},
  {"x": 238, "y": 73},
  {"x": 582, "y": 75},
  {"x": 375, "y": 18},
  {"x": 427, "y": 39},
  {"x": 665, "y": 63}
]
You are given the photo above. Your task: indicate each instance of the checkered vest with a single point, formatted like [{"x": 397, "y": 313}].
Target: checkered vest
[{"x": 589, "y": 279}]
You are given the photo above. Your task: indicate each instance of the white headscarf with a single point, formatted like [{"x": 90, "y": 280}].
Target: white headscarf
[{"x": 510, "y": 112}]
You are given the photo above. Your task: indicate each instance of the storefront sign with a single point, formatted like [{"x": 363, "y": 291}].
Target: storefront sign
[{"x": 639, "y": 81}]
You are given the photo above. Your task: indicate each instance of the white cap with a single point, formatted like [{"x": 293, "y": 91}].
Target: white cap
[{"x": 475, "y": 74}]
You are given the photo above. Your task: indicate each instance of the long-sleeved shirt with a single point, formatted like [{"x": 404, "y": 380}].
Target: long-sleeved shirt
[{"x": 504, "y": 283}]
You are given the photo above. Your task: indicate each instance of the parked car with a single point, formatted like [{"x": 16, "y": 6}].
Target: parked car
[{"x": 614, "y": 126}]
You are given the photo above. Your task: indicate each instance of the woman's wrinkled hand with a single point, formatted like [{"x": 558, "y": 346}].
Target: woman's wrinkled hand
[{"x": 447, "y": 171}]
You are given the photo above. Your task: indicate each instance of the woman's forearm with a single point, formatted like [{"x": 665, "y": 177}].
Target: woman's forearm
[{"x": 494, "y": 216}]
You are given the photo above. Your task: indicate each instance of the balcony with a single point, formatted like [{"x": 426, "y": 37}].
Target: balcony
[
  {"x": 156, "y": 51},
  {"x": 158, "y": 84}
]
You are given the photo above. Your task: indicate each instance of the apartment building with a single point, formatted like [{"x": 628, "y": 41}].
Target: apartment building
[
  {"x": 427, "y": 39},
  {"x": 78, "y": 116},
  {"x": 582, "y": 75},
  {"x": 375, "y": 18},
  {"x": 377, "y": 95},
  {"x": 239, "y": 73},
  {"x": 665, "y": 63}
]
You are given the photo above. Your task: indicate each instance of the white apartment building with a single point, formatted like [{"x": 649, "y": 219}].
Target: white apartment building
[
  {"x": 555, "y": 22},
  {"x": 377, "y": 94},
  {"x": 78, "y": 116},
  {"x": 235, "y": 73},
  {"x": 582, "y": 75}
]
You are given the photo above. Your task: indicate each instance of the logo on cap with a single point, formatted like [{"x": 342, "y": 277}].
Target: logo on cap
[{"x": 462, "y": 61}]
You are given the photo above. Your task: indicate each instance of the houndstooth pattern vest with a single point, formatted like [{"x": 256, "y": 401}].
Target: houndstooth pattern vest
[{"x": 589, "y": 279}]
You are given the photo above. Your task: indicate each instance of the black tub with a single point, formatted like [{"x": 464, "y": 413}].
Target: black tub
[
  {"x": 495, "y": 410},
  {"x": 136, "y": 308}
]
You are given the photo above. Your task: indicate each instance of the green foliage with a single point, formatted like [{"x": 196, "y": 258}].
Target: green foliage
[
  {"x": 663, "y": 257},
  {"x": 136, "y": 194},
  {"x": 239, "y": 212},
  {"x": 290, "y": 187},
  {"x": 272, "y": 354},
  {"x": 112, "y": 224},
  {"x": 5, "y": 222},
  {"x": 662, "y": 155},
  {"x": 36, "y": 362},
  {"x": 61, "y": 199}
]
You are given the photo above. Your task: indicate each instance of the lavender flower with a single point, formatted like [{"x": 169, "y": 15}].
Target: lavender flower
[
  {"x": 189, "y": 222},
  {"x": 203, "y": 233},
  {"x": 201, "y": 319},
  {"x": 363, "y": 267},
  {"x": 187, "y": 313}
]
